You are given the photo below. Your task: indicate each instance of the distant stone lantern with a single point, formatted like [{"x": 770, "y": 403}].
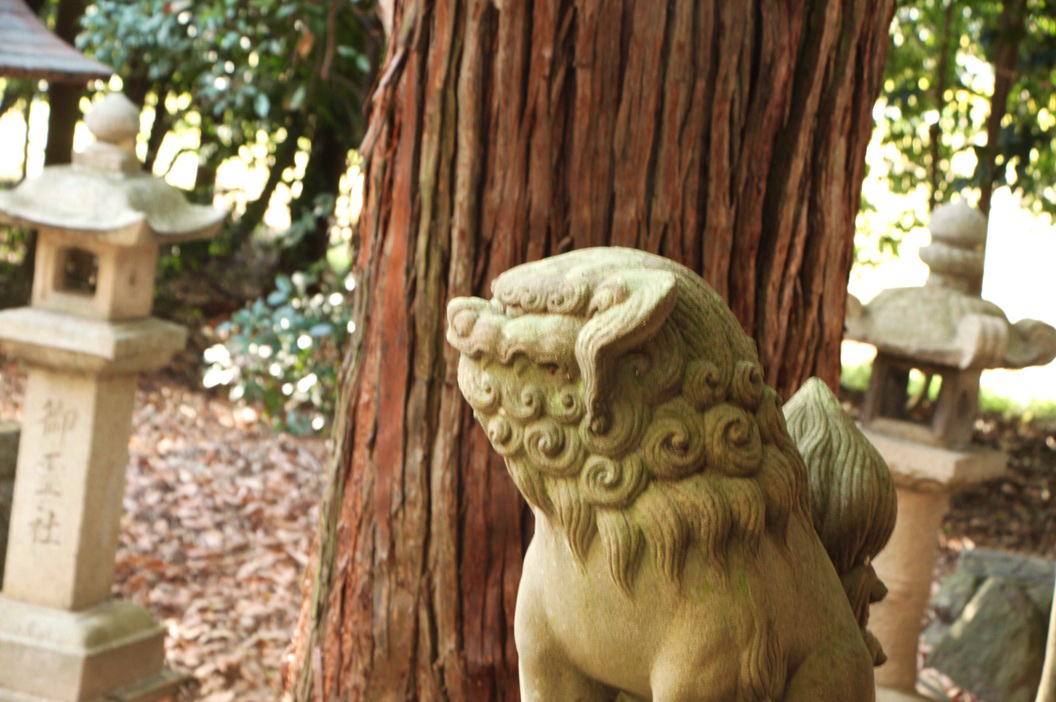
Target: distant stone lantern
[
  {"x": 945, "y": 330},
  {"x": 84, "y": 337}
]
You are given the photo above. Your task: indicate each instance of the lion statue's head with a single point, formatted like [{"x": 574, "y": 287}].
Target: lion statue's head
[{"x": 630, "y": 408}]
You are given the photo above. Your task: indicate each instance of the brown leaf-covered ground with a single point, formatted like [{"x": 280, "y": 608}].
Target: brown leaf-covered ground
[{"x": 220, "y": 511}]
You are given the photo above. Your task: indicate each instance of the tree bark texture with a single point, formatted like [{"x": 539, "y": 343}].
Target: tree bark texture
[{"x": 729, "y": 136}]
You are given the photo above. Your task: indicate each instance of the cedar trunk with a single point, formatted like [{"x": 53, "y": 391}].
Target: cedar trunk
[{"x": 729, "y": 136}]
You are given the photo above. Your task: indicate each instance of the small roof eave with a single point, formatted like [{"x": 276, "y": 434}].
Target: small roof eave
[
  {"x": 29, "y": 50},
  {"x": 125, "y": 210}
]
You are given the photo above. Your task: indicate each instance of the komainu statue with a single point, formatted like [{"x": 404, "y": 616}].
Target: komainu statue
[{"x": 683, "y": 550}]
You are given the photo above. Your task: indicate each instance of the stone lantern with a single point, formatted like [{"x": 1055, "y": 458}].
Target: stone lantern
[
  {"x": 945, "y": 330},
  {"x": 84, "y": 337}
]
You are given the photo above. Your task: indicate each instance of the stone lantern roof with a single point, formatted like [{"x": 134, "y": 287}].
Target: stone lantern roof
[
  {"x": 945, "y": 321},
  {"x": 945, "y": 329},
  {"x": 104, "y": 195},
  {"x": 29, "y": 50}
]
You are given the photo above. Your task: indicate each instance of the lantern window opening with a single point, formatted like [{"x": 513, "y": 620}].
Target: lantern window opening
[
  {"x": 78, "y": 271},
  {"x": 923, "y": 389}
]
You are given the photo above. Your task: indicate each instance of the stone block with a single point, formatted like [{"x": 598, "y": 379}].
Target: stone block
[
  {"x": 50, "y": 654},
  {"x": 922, "y": 467},
  {"x": 995, "y": 648},
  {"x": 954, "y": 593},
  {"x": 67, "y": 502},
  {"x": 1031, "y": 573},
  {"x": 64, "y": 342}
]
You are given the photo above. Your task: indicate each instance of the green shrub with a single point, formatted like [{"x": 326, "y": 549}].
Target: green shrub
[{"x": 282, "y": 352}]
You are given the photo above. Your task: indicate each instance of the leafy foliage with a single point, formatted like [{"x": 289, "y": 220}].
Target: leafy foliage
[
  {"x": 238, "y": 71},
  {"x": 283, "y": 351},
  {"x": 937, "y": 92}
]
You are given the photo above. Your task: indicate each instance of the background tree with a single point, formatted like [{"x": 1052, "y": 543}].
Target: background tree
[
  {"x": 938, "y": 108},
  {"x": 63, "y": 100},
  {"x": 62, "y": 17},
  {"x": 294, "y": 74},
  {"x": 727, "y": 135}
]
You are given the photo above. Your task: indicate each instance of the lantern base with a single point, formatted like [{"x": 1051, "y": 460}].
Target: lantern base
[
  {"x": 925, "y": 467},
  {"x": 96, "y": 346},
  {"x": 112, "y": 651}
]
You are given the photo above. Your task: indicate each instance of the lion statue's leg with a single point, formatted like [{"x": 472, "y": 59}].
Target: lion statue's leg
[
  {"x": 827, "y": 676},
  {"x": 687, "y": 679},
  {"x": 546, "y": 673},
  {"x": 554, "y": 679}
]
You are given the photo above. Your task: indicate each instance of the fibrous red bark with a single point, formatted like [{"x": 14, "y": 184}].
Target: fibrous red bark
[{"x": 729, "y": 136}]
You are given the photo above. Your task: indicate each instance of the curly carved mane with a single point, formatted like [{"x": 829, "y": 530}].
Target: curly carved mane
[{"x": 648, "y": 436}]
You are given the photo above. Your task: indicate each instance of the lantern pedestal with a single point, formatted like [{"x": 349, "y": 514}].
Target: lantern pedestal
[
  {"x": 112, "y": 651},
  {"x": 925, "y": 477},
  {"x": 61, "y": 635}
]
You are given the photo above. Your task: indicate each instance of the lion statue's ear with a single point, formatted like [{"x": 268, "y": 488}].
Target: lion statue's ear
[{"x": 626, "y": 310}]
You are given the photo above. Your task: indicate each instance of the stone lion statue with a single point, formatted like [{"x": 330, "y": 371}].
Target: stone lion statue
[{"x": 676, "y": 556}]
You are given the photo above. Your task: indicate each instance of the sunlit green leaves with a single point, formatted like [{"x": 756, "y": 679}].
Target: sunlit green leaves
[
  {"x": 282, "y": 352},
  {"x": 937, "y": 86},
  {"x": 240, "y": 60}
]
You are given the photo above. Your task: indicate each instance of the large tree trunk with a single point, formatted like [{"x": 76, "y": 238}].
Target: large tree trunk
[{"x": 727, "y": 135}]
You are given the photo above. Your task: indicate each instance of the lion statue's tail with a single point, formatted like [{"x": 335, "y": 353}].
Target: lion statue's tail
[{"x": 852, "y": 495}]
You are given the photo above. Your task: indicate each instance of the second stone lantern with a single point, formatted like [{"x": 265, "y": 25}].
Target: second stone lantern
[
  {"x": 84, "y": 337},
  {"x": 945, "y": 330}
]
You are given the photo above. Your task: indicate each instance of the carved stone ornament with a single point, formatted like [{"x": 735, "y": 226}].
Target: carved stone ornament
[{"x": 676, "y": 556}]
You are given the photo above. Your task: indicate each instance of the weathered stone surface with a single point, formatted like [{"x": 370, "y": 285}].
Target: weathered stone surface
[
  {"x": 674, "y": 554},
  {"x": 104, "y": 196},
  {"x": 55, "y": 655},
  {"x": 906, "y": 567},
  {"x": 1016, "y": 566},
  {"x": 1031, "y": 574},
  {"x": 852, "y": 495},
  {"x": 71, "y": 473},
  {"x": 68, "y": 343},
  {"x": 995, "y": 648},
  {"x": 954, "y": 593},
  {"x": 85, "y": 337},
  {"x": 924, "y": 467},
  {"x": 955, "y": 255},
  {"x": 123, "y": 277},
  {"x": 946, "y": 322}
]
